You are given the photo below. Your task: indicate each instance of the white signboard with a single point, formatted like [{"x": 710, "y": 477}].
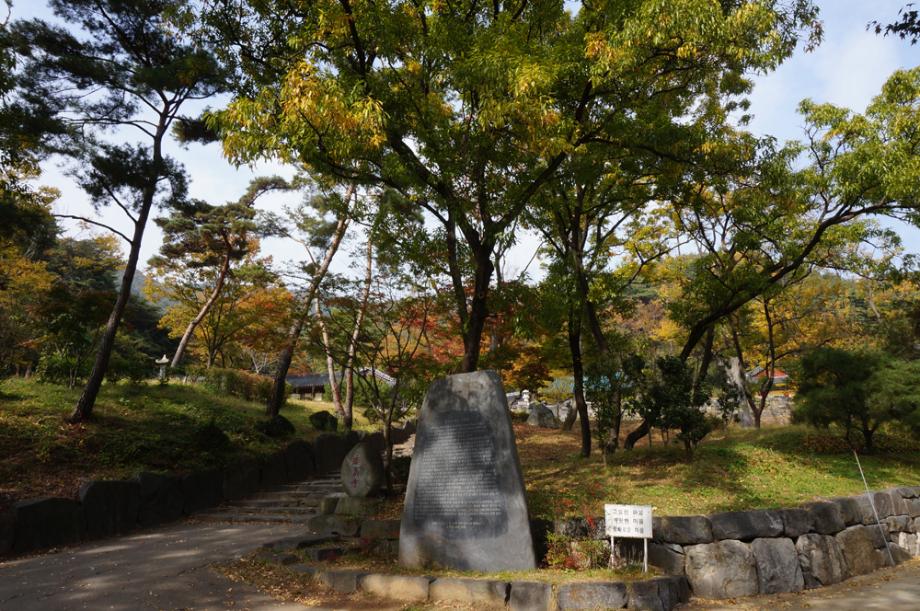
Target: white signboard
[{"x": 633, "y": 521}]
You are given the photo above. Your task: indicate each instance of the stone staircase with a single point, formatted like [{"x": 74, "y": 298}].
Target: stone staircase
[{"x": 293, "y": 503}]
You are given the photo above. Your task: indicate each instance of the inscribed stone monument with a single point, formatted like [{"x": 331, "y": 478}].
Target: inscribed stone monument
[
  {"x": 465, "y": 506},
  {"x": 362, "y": 471}
]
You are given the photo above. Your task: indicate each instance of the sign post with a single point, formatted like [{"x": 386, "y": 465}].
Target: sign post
[{"x": 630, "y": 521}]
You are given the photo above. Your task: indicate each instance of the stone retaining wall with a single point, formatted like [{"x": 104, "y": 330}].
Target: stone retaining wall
[
  {"x": 742, "y": 553},
  {"x": 107, "y": 508}
]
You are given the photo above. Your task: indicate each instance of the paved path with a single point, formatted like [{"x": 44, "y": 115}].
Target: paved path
[
  {"x": 167, "y": 568},
  {"x": 895, "y": 589}
]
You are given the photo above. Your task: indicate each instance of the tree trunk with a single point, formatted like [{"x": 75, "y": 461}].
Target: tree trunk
[
  {"x": 84, "y": 409},
  {"x": 578, "y": 376},
  {"x": 222, "y": 275},
  {"x": 472, "y": 336},
  {"x": 330, "y": 363},
  {"x": 276, "y": 398},
  {"x": 355, "y": 334}
]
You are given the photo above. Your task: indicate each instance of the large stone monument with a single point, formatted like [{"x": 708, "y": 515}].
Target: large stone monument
[{"x": 465, "y": 505}]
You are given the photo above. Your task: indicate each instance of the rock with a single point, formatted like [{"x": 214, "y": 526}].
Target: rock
[
  {"x": 465, "y": 506},
  {"x": 276, "y": 427},
  {"x": 645, "y": 595},
  {"x": 915, "y": 526},
  {"x": 673, "y": 590},
  {"x": 380, "y": 529},
  {"x": 324, "y": 421},
  {"x": 328, "y": 452},
  {"x": 357, "y": 506},
  {"x": 541, "y": 416},
  {"x": 342, "y": 581},
  {"x": 669, "y": 557},
  {"x": 469, "y": 591},
  {"x": 850, "y": 510},
  {"x": 883, "y": 504},
  {"x": 161, "y": 499},
  {"x": 109, "y": 507},
  {"x": 909, "y": 543},
  {"x": 827, "y": 518},
  {"x": 683, "y": 530},
  {"x": 202, "y": 490},
  {"x": 821, "y": 560},
  {"x": 913, "y": 508},
  {"x": 897, "y": 523},
  {"x": 47, "y": 522},
  {"x": 530, "y": 596},
  {"x": 241, "y": 480},
  {"x": 859, "y": 550},
  {"x": 328, "y": 503},
  {"x": 346, "y": 526},
  {"x": 607, "y": 595},
  {"x": 397, "y": 587},
  {"x": 796, "y": 522},
  {"x": 298, "y": 460},
  {"x": 272, "y": 471},
  {"x": 778, "y": 567},
  {"x": 898, "y": 554},
  {"x": 746, "y": 525},
  {"x": 724, "y": 569},
  {"x": 362, "y": 471},
  {"x": 898, "y": 502}
]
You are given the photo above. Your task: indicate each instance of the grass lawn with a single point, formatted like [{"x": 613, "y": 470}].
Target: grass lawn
[
  {"x": 734, "y": 469},
  {"x": 146, "y": 427}
]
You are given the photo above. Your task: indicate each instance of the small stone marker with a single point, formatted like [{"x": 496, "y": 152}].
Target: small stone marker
[
  {"x": 629, "y": 521},
  {"x": 465, "y": 506},
  {"x": 362, "y": 471}
]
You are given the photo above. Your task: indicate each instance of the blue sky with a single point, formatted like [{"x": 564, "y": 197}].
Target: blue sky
[{"x": 848, "y": 69}]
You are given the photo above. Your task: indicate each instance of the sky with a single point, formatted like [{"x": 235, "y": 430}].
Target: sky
[{"x": 847, "y": 69}]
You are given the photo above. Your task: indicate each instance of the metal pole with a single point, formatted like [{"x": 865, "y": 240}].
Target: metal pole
[
  {"x": 644, "y": 555},
  {"x": 872, "y": 504}
]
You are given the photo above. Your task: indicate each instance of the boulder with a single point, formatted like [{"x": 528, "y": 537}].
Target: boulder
[
  {"x": 328, "y": 452},
  {"x": 898, "y": 502},
  {"x": 530, "y": 596},
  {"x": 328, "y": 503},
  {"x": 298, "y": 460},
  {"x": 47, "y": 522},
  {"x": 357, "y": 506},
  {"x": 913, "y": 508},
  {"x": 883, "y": 504},
  {"x": 724, "y": 569},
  {"x": 610, "y": 595},
  {"x": 345, "y": 526},
  {"x": 581, "y": 528},
  {"x": 397, "y": 587},
  {"x": 859, "y": 548},
  {"x": 161, "y": 499},
  {"x": 343, "y": 582},
  {"x": 272, "y": 471},
  {"x": 850, "y": 510},
  {"x": 827, "y": 519},
  {"x": 241, "y": 480},
  {"x": 324, "y": 421},
  {"x": 541, "y": 416},
  {"x": 796, "y": 521},
  {"x": 683, "y": 530},
  {"x": 202, "y": 490},
  {"x": 669, "y": 557},
  {"x": 821, "y": 560},
  {"x": 897, "y": 524},
  {"x": 909, "y": 542},
  {"x": 746, "y": 525},
  {"x": 778, "y": 568},
  {"x": 362, "y": 471},
  {"x": 110, "y": 507},
  {"x": 646, "y": 595},
  {"x": 276, "y": 427},
  {"x": 469, "y": 591}
]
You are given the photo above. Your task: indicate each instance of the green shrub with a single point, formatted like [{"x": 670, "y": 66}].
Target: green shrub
[
  {"x": 563, "y": 552},
  {"x": 242, "y": 384},
  {"x": 277, "y": 427},
  {"x": 61, "y": 367}
]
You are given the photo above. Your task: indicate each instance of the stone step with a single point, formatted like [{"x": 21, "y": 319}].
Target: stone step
[
  {"x": 273, "y": 518},
  {"x": 279, "y": 502},
  {"x": 285, "y": 509}
]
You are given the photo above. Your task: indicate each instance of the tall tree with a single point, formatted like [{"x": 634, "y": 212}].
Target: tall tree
[
  {"x": 199, "y": 235},
  {"x": 469, "y": 108},
  {"x": 120, "y": 65}
]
